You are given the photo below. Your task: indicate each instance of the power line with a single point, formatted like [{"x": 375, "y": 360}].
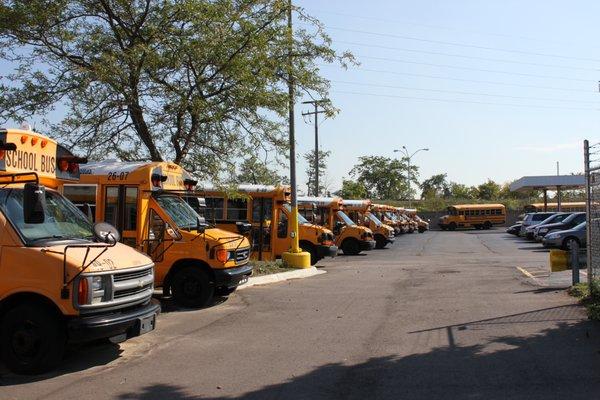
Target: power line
[
  {"x": 409, "y": 22},
  {"x": 474, "y": 69},
  {"x": 461, "y": 92},
  {"x": 472, "y": 46},
  {"x": 464, "y": 101},
  {"x": 401, "y": 73},
  {"x": 467, "y": 57}
]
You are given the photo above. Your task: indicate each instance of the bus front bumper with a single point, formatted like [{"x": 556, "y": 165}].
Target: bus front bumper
[
  {"x": 327, "y": 251},
  {"x": 367, "y": 245},
  {"x": 391, "y": 239},
  {"x": 124, "y": 324},
  {"x": 232, "y": 277}
]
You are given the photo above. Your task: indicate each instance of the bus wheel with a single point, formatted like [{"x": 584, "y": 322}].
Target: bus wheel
[
  {"x": 32, "y": 339},
  {"x": 487, "y": 225},
  {"x": 380, "y": 242},
  {"x": 350, "y": 247},
  {"x": 452, "y": 226},
  {"x": 192, "y": 288}
]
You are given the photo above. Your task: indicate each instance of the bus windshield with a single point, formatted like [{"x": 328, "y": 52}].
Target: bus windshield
[
  {"x": 180, "y": 212},
  {"x": 374, "y": 219},
  {"x": 62, "y": 220},
  {"x": 301, "y": 219},
  {"x": 342, "y": 215}
]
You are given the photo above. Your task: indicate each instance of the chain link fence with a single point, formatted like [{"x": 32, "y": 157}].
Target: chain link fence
[{"x": 592, "y": 177}]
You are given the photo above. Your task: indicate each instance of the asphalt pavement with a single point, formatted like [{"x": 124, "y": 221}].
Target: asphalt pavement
[{"x": 439, "y": 315}]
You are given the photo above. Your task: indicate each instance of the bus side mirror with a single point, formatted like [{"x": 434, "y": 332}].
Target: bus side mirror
[
  {"x": 243, "y": 227},
  {"x": 106, "y": 233},
  {"x": 34, "y": 203}
]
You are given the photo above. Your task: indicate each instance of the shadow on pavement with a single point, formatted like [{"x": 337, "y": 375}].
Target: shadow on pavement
[
  {"x": 559, "y": 362},
  {"x": 77, "y": 358}
]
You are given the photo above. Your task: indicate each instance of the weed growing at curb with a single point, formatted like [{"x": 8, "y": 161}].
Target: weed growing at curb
[
  {"x": 269, "y": 267},
  {"x": 581, "y": 291}
]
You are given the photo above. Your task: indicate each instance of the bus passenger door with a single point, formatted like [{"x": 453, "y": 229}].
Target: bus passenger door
[
  {"x": 282, "y": 242},
  {"x": 262, "y": 226},
  {"x": 120, "y": 210}
]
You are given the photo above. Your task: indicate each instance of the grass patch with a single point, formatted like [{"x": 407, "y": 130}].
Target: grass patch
[
  {"x": 269, "y": 267},
  {"x": 581, "y": 291}
]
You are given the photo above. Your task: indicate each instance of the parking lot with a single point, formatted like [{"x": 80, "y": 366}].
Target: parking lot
[{"x": 436, "y": 315}]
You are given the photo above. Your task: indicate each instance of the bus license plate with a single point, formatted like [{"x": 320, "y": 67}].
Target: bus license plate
[{"x": 147, "y": 324}]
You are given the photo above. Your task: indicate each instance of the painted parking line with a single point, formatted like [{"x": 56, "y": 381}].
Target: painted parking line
[{"x": 529, "y": 275}]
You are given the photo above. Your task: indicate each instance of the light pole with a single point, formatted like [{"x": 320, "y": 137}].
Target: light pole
[{"x": 409, "y": 157}]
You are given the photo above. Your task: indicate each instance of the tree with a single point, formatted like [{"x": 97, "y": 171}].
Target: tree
[
  {"x": 385, "y": 178},
  {"x": 461, "y": 191},
  {"x": 489, "y": 190},
  {"x": 352, "y": 190},
  {"x": 436, "y": 186},
  {"x": 255, "y": 171},
  {"x": 199, "y": 82},
  {"x": 310, "y": 171}
]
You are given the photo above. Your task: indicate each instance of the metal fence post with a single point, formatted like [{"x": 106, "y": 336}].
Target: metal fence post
[
  {"x": 575, "y": 261},
  {"x": 588, "y": 204}
]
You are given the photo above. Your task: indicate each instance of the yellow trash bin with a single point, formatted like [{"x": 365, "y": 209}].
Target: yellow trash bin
[{"x": 559, "y": 260}]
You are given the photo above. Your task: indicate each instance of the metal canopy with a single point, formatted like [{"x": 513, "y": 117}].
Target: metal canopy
[{"x": 551, "y": 182}]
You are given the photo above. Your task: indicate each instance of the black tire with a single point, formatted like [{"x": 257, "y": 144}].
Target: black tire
[
  {"x": 308, "y": 247},
  {"x": 192, "y": 287},
  {"x": 567, "y": 243},
  {"x": 224, "y": 291},
  {"x": 487, "y": 225},
  {"x": 478, "y": 227},
  {"x": 351, "y": 247},
  {"x": 452, "y": 226},
  {"x": 32, "y": 339},
  {"x": 380, "y": 242},
  {"x": 444, "y": 228}
]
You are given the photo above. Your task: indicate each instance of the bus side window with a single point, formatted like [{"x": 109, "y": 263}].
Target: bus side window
[
  {"x": 111, "y": 202},
  {"x": 282, "y": 227},
  {"x": 237, "y": 209},
  {"x": 84, "y": 197},
  {"x": 214, "y": 208},
  {"x": 131, "y": 194}
]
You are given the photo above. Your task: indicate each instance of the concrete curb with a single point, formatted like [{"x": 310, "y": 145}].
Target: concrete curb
[{"x": 281, "y": 277}]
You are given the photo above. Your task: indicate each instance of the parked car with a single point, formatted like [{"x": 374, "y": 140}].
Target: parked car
[
  {"x": 565, "y": 239},
  {"x": 533, "y": 231},
  {"x": 514, "y": 229},
  {"x": 532, "y": 219},
  {"x": 569, "y": 222}
]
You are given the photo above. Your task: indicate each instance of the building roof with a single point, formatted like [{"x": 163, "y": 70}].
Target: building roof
[{"x": 548, "y": 182}]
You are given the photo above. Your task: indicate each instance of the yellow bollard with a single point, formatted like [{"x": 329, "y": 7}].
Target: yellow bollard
[
  {"x": 296, "y": 258},
  {"x": 559, "y": 260}
]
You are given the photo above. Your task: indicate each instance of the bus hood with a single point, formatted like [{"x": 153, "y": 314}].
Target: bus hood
[
  {"x": 216, "y": 236},
  {"x": 99, "y": 259}
]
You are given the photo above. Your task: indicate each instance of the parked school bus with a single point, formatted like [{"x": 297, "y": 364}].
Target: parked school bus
[
  {"x": 387, "y": 215},
  {"x": 329, "y": 212},
  {"x": 143, "y": 200},
  {"x": 61, "y": 279},
  {"x": 553, "y": 207},
  {"x": 267, "y": 209},
  {"x": 360, "y": 212},
  {"x": 420, "y": 225},
  {"x": 478, "y": 216}
]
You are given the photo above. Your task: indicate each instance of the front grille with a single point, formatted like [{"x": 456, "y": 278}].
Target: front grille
[
  {"x": 242, "y": 255},
  {"x": 132, "y": 275},
  {"x": 131, "y": 292}
]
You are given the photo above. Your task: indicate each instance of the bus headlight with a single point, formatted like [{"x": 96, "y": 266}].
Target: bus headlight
[{"x": 97, "y": 283}]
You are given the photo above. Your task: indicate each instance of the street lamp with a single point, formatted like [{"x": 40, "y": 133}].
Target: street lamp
[{"x": 409, "y": 157}]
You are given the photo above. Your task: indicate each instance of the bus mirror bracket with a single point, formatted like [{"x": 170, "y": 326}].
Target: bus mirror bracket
[
  {"x": 243, "y": 227},
  {"x": 34, "y": 203},
  {"x": 87, "y": 210}
]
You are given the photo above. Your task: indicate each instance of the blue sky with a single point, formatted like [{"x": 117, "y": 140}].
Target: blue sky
[
  {"x": 535, "y": 62},
  {"x": 512, "y": 86}
]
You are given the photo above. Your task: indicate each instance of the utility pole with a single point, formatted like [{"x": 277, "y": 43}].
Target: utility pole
[
  {"x": 295, "y": 257},
  {"x": 316, "y": 113}
]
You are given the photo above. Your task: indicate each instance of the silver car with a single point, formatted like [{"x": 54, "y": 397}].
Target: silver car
[
  {"x": 533, "y": 219},
  {"x": 565, "y": 239}
]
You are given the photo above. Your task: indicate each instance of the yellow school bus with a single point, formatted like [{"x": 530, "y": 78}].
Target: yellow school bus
[
  {"x": 360, "y": 212},
  {"x": 387, "y": 215},
  {"x": 419, "y": 224},
  {"x": 478, "y": 216},
  {"x": 567, "y": 206},
  {"x": 143, "y": 200},
  {"x": 62, "y": 279},
  {"x": 267, "y": 209},
  {"x": 329, "y": 212}
]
